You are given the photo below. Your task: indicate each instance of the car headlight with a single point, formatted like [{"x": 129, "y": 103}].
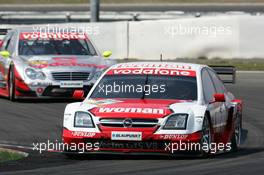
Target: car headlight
[
  {"x": 176, "y": 121},
  {"x": 83, "y": 119},
  {"x": 33, "y": 74}
]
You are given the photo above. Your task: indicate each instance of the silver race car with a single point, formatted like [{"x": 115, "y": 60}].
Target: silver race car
[{"x": 48, "y": 64}]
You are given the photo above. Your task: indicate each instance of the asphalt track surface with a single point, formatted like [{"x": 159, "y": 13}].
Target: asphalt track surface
[
  {"x": 201, "y": 7},
  {"x": 23, "y": 123}
]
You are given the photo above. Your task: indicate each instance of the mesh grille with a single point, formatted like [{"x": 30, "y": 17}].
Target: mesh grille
[
  {"x": 65, "y": 76},
  {"x": 136, "y": 123}
]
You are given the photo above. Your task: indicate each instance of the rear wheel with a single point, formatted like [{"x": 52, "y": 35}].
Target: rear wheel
[
  {"x": 206, "y": 139},
  {"x": 236, "y": 138},
  {"x": 11, "y": 84}
]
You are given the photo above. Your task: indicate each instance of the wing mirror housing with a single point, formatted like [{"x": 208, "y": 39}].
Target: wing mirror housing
[
  {"x": 107, "y": 53},
  {"x": 219, "y": 97},
  {"x": 5, "y": 54},
  {"x": 78, "y": 95}
]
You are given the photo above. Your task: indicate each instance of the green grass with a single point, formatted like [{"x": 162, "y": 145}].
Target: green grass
[
  {"x": 6, "y": 155},
  {"x": 119, "y": 1},
  {"x": 240, "y": 64}
]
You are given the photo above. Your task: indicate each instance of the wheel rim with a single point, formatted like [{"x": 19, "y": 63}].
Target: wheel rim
[{"x": 206, "y": 135}]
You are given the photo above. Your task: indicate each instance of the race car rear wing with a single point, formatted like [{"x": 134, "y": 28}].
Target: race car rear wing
[{"x": 226, "y": 73}]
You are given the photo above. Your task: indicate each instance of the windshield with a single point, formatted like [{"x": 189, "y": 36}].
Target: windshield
[
  {"x": 55, "y": 44},
  {"x": 146, "y": 87}
]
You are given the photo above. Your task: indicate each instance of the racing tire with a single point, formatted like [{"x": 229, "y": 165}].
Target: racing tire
[
  {"x": 236, "y": 137},
  {"x": 206, "y": 138},
  {"x": 11, "y": 84}
]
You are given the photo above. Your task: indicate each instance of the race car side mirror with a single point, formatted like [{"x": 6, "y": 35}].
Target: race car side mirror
[
  {"x": 219, "y": 97},
  {"x": 78, "y": 95},
  {"x": 5, "y": 54},
  {"x": 107, "y": 53}
]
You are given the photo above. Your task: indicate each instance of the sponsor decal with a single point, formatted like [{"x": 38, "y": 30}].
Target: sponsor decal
[
  {"x": 152, "y": 71},
  {"x": 119, "y": 135},
  {"x": 83, "y": 134},
  {"x": 150, "y": 145},
  {"x": 71, "y": 84},
  {"x": 62, "y": 62},
  {"x": 41, "y": 35},
  {"x": 154, "y": 65},
  {"x": 102, "y": 102},
  {"x": 132, "y": 110},
  {"x": 173, "y": 136}
]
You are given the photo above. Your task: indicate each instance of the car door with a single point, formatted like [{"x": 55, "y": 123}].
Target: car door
[
  {"x": 220, "y": 89},
  {"x": 213, "y": 107}
]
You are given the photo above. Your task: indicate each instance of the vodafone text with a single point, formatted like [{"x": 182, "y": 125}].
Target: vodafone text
[
  {"x": 31, "y": 35},
  {"x": 151, "y": 71}
]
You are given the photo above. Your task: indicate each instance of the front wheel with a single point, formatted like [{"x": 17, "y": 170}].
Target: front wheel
[
  {"x": 11, "y": 84},
  {"x": 206, "y": 139},
  {"x": 236, "y": 137}
]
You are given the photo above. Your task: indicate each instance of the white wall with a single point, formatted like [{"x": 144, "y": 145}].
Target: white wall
[
  {"x": 216, "y": 36},
  {"x": 191, "y": 38}
]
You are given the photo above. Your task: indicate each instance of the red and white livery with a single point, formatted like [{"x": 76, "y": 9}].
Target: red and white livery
[{"x": 156, "y": 107}]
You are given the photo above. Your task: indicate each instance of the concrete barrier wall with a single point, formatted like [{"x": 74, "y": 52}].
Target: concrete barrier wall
[
  {"x": 211, "y": 37},
  {"x": 190, "y": 38}
]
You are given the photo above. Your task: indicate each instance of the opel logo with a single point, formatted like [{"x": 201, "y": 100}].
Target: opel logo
[{"x": 128, "y": 123}]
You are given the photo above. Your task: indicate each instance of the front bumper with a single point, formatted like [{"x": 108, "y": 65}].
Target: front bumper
[
  {"x": 56, "y": 91},
  {"x": 150, "y": 143},
  {"x": 46, "y": 90}
]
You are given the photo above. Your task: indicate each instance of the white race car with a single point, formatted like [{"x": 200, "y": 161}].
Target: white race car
[
  {"x": 157, "y": 107},
  {"x": 48, "y": 64}
]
